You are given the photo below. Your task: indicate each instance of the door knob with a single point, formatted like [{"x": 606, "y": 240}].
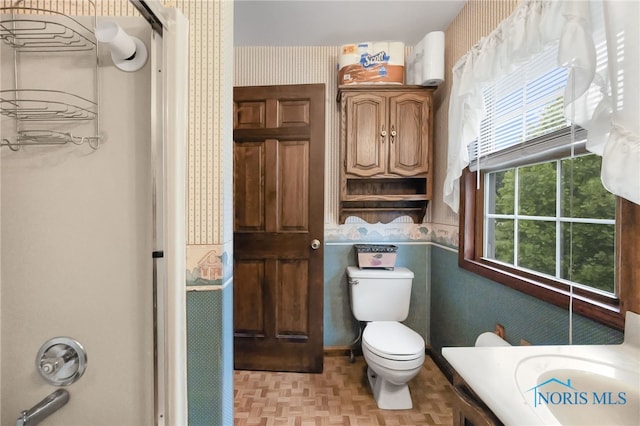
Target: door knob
[{"x": 315, "y": 244}]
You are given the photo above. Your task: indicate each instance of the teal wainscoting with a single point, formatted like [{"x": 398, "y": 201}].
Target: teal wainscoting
[
  {"x": 340, "y": 328},
  {"x": 210, "y": 356},
  {"x": 463, "y": 305}
]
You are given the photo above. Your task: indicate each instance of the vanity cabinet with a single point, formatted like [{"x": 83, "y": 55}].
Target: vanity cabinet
[
  {"x": 467, "y": 408},
  {"x": 386, "y": 151}
]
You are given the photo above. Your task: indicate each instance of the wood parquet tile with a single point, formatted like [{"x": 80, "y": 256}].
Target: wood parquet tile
[{"x": 339, "y": 396}]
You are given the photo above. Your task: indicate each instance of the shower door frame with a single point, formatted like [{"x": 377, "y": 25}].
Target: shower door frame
[{"x": 169, "y": 118}]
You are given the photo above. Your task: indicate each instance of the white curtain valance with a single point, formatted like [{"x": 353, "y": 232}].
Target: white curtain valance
[{"x": 602, "y": 94}]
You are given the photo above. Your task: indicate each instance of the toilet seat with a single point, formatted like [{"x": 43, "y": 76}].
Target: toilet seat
[{"x": 393, "y": 341}]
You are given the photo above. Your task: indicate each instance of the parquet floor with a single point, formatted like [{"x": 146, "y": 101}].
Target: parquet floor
[{"x": 338, "y": 396}]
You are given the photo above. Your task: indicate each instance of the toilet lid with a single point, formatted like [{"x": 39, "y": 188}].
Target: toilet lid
[{"x": 389, "y": 338}]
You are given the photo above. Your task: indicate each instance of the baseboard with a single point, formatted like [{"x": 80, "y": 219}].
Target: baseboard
[{"x": 341, "y": 351}]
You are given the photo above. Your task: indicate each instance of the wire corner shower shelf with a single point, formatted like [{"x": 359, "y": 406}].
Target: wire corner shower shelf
[{"x": 46, "y": 117}]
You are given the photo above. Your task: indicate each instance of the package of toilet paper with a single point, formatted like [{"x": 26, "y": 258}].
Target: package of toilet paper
[{"x": 371, "y": 62}]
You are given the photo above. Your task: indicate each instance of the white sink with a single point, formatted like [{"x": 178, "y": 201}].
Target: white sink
[
  {"x": 583, "y": 384},
  {"x": 570, "y": 390}
]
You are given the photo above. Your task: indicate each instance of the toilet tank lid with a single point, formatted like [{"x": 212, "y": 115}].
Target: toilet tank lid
[{"x": 397, "y": 272}]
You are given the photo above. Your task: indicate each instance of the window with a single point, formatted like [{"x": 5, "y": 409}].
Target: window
[
  {"x": 535, "y": 215},
  {"x": 554, "y": 219},
  {"x": 601, "y": 305},
  {"x": 521, "y": 136}
]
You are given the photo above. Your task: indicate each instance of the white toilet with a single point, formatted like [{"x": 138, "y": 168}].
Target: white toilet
[{"x": 393, "y": 352}]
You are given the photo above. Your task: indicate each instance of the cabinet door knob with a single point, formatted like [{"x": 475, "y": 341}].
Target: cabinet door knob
[
  {"x": 383, "y": 133},
  {"x": 393, "y": 133},
  {"x": 315, "y": 244}
]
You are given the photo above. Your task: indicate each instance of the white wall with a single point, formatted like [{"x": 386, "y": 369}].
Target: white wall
[{"x": 76, "y": 245}]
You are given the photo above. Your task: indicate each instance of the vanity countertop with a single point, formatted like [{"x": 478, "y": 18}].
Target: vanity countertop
[{"x": 508, "y": 378}]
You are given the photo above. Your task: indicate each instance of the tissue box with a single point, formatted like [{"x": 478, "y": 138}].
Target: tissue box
[
  {"x": 376, "y": 256},
  {"x": 371, "y": 62}
]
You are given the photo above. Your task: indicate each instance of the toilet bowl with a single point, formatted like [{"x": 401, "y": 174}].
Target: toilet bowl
[{"x": 394, "y": 355}]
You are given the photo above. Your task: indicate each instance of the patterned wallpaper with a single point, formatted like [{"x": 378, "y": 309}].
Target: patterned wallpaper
[
  {"x": 210, "y": 66},
  {"x": 476, "y": 20}
]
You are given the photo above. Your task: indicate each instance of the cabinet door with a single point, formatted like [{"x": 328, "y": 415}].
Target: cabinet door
[
  {"x": 409, "y": 121},
  {"x": 367, "y": 134}
]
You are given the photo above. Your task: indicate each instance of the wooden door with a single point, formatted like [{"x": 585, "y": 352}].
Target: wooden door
[
  {"x": 409, "y": 121},
  {"x": 278, "y": 227},
  {"x": 366, "y": 134}
]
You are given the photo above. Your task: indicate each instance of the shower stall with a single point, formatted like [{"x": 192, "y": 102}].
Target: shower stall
[{"x": 92, "y": 211}]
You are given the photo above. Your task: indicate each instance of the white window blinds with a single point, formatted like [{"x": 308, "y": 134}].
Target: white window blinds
[
  {"x": 523, "y": 114},
  {"x": 610, "y": 82}
]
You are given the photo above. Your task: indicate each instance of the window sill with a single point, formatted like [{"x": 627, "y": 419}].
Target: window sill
[
  {"x": 606, "y": 313},
  {"x": 610, "y": 313}
]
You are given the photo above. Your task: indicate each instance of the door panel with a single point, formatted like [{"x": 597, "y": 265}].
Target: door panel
[
  {"x": 248, "y": 316},
  {"x": 249, "y": 186},
  {"x": 366, "y": 146},
  {"x": 279, "y": 206},
  {"x": 293, "y": 186},
  {"x": 293, "y": 294},
  {"x": 410, "y": 120},
  {"x": 250, "y": 115},
  {"x": 293, "y": 113}
]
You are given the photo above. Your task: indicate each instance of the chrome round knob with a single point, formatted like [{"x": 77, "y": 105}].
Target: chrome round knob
[
  {"x": 315, "y": 244},
  {"x": 61, "y": 361}
]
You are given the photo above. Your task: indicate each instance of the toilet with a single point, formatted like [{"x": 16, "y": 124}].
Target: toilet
[{"x": 393, "y": 352}]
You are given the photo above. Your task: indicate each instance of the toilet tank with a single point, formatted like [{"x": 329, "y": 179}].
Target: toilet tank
[{"x": 378, "y": 294}]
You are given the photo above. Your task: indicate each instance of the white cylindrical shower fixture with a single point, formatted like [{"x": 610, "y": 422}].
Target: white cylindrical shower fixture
[{"x": 127, "y": 52}]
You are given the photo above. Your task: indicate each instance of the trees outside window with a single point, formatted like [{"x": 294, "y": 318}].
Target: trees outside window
[{"x": 554, "y": 219}]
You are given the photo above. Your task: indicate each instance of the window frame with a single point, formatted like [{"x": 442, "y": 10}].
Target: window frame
[{"x": 599, "y": 307}]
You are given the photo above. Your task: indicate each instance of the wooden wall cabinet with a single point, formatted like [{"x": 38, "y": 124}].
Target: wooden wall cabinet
[{"x": 386, "y": 151}]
